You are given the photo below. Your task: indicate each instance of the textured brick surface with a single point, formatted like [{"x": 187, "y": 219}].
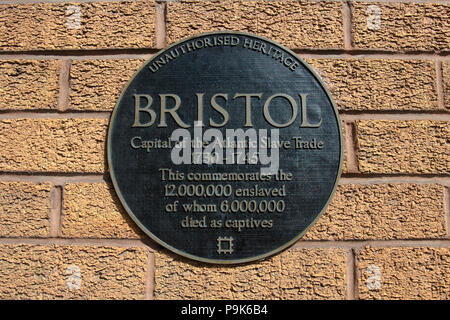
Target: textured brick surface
[
  {"x": 92, "y": 210},
  {"x": 392, "y": 146},
  {"x": 375, "y": 84},
  {"x": 56, "y": 145},
  {"x": 345, "y": 168},
  {"x": 29, "y": 84},
  {"x": 404, "y": 273},
  {"x": 297, "y": 24},
  {"x": 403, "y": 26},
  {"x": 294, "y": 274},
  {"x": 24, "y": 209},
  {"x": 94, "y": 25},
  {"x": 49, "y": 272},
  {"x": 97, "y": 84},
  {"x": 446, "y": 83},
  {"x": 382, "y": 211}
]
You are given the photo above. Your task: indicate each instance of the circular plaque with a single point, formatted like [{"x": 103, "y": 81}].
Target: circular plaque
[{"x": 225, "y": 147}]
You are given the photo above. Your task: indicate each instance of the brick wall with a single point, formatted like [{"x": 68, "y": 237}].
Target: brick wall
[{"x": 63, "y": 232}]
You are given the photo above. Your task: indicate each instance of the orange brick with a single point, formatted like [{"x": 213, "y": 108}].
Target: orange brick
[
  {"x": 382, "y": 212},
  {"x": 24, "y": 209},
  {"x": 293, "y": 274},
  {"x": 393, "y": 146},
  {"x": 446, "y": 83},
  {"x": 402, "y": 26},
  {"x": 72, "y": 272},
  {"x": 297, "y": 24},
  {"x": 87, "y": 25},
  {"x": 55, "y": 145},
  {"x": 378, "y": 84},
  {"x": 404, "y": 273},
  {"x": 29, "y": 84},
  {"x": 93, "y": 210},
  {"x": 97, "y": 84},
  {"x": 345, "y": 168}
]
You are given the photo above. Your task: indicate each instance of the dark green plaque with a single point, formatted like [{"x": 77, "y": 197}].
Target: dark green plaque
[{"x": 225, "y": 147}]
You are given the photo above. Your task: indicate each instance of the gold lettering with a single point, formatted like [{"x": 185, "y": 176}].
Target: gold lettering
[
  {"x": 200, "y": 107},
  {"x": 305, "y": 123},
  {"x": 248, "y": 106},
  {"x": 172, "y": 111},
  {"x": 221, "y": 110},
  {"x": 292, "y": 103},
  {"x": 247, "y": 43},
  {"x": 137, "y": 111}
]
